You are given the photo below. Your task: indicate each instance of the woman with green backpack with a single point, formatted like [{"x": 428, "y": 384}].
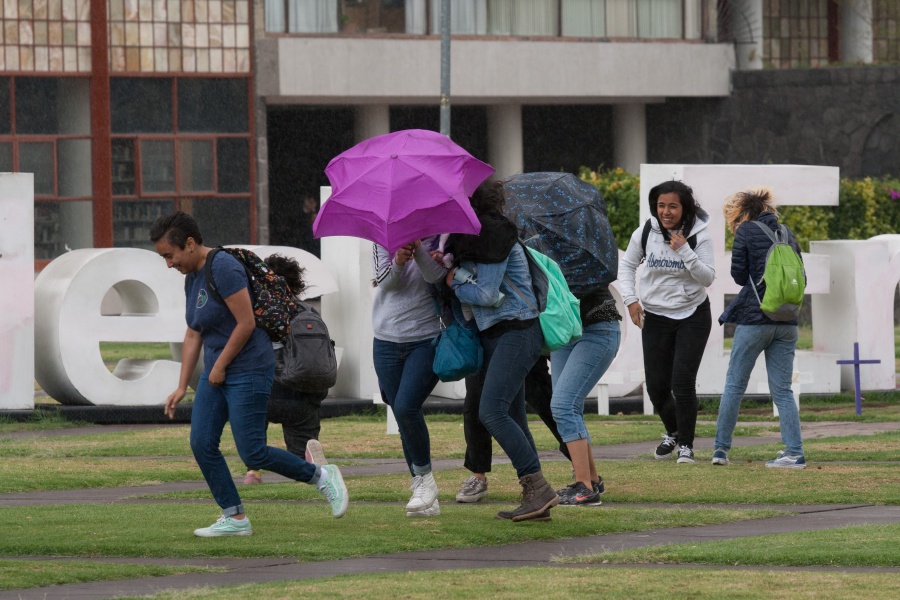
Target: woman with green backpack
[{"x": 746, "y": 214}]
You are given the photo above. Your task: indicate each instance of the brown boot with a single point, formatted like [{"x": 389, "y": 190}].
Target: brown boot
[
  {"x": 508, "y": 514},
  {"x": 537, "y": 497}
]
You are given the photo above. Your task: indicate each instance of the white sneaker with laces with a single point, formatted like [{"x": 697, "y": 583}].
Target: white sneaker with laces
[
  {"x": 425, "y": 492},
  {"x": 226, "y": 526},
  {"x": 331, "y": 485},
  {"x": 433, "y": 511}
]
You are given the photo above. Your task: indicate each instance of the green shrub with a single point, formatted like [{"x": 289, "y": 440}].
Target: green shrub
[
  {"x": 621, "y": 191},
  {"x": 807, "y": 222},
  {"x": 867, "y": 208}
]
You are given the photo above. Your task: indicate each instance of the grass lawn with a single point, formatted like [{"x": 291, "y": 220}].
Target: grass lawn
[
  {"x": 308, "y": 532},
  {"x": 859, "y": 546},
  {"x": 550, "y": 583},
  {"x": 292, "y": 520},
  {"x": 19, "y": 574}
]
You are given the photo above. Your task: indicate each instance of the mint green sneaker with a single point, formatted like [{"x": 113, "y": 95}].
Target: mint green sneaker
[
  {"x": 331, "y": 484},
  {"x": 226, "y": 526}
]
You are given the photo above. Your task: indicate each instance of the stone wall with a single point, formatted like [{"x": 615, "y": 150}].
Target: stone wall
[{"x": 847, "y": 117}]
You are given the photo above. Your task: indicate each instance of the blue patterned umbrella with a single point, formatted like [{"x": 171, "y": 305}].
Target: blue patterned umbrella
[{"x": 565, "y": 218}]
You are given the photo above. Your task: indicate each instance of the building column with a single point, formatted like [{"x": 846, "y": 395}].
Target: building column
[
  {"x": 747, "y": 25},
  {"x": 371, "y": 120},
  {"x": 856, "y": 31},
  {"x": 629, "y": 136},
  {"x": 505, "y": 153}
]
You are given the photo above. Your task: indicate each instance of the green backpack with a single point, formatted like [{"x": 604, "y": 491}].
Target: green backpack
[
  {"x": 784, "y": 277},
  {"x": 560, "y": 318}
]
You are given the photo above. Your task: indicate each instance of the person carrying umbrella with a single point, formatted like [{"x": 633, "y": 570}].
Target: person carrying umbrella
[
  {"x": 502, "y": 303},
  {"x": 405, "y": 325}
]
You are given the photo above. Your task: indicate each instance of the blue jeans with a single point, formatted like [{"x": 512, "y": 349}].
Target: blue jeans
[
  {"x": 575, "y": 369},
  {"x": 407, "y": 379},
  {"x": 242, "y": 400},
  {"x": 779, "y": 343},
  {"x": 507, "y": 360}
]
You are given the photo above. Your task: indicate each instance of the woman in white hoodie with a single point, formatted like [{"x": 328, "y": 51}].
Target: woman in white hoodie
[{"x": 672, "y": 309}]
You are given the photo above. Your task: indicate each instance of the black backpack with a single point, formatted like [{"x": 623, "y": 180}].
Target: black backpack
[
  {"x": 274, "y": 305},
  {"x": 307, "y": 362}
]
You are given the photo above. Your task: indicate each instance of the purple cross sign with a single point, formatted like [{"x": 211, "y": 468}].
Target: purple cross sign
[{"x": 856, "y": 362}]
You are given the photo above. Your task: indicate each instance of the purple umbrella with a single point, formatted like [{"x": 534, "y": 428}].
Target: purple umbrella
[{"x": 396, "y": 188}]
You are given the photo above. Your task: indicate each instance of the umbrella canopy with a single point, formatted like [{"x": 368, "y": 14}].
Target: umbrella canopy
[
  {"x": 565, "y": 218},
  {"x": 396, "y": 188}
]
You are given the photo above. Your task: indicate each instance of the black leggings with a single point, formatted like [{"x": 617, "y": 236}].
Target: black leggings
[
  {"x": 538, "y": 391},
  {"x": 673, "y": 349}
]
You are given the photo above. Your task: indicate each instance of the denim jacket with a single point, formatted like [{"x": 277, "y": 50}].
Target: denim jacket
[{"x": 484, "y": 291}]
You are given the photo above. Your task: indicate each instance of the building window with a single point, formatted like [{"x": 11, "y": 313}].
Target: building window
[
  {"x": 191, "y": 152},
  {"x": 45, "y": 130},
  {"x": 667, "y": 19},
  {"x": 795, "y": 34}
]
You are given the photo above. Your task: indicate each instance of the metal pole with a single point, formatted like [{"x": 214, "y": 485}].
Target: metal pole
[{"x": 445, "y": 67}]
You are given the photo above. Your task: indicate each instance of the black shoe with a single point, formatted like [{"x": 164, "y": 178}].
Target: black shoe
[
  {"x": 685, "y": 455},
  {"x": 666, "y": 447},
  {"x": 599, "y": 487},
  {"x": 581, "y": 496}
]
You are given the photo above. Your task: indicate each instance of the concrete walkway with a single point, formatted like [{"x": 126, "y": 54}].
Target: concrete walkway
[{"x": 806, "y": 518}]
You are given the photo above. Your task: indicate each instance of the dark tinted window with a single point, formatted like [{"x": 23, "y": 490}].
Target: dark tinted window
[
  {"x": 140, "y": 105},
  {"x": 36, "y": 105},
  {"x": 212, "y": 105},
  {"x": 5, "y": 121},
  {"x": 234, "y": 165}
]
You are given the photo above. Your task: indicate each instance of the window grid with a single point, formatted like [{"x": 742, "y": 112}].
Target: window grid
[
  {"x": 795, "y": 33},
  {"x": 45, "y": 36},
  {"x": 190, "y": 36},
  {"x": 886, "y": 33}
]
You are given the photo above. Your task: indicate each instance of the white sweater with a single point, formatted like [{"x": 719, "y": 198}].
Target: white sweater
[{"x": 672, "y": 281}]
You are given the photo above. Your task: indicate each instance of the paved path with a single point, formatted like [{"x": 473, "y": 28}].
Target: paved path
[{"x": 806, "y": 518}]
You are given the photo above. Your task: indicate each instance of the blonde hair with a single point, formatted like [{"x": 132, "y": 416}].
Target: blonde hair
[{"x": 747, "y": 206}]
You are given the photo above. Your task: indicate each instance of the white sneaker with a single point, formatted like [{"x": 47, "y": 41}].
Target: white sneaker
[
  {"x": 226, "y": 526},
  {"x": 433, "y": 511},
  {"x": 331, "y": 485},
  {"x": 425, "y": 492},
  {"x": 315, "y": 454}
]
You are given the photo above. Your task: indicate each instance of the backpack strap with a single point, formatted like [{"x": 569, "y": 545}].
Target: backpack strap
[
  {"x": 207, "y": 275},
  {"x": 692, "y": 240}
]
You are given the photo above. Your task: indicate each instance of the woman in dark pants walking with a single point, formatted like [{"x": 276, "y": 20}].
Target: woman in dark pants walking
[{"x": 673, "y": 307}]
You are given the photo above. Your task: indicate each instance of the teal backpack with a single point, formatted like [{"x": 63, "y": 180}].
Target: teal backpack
[
  {"x": 560, "y": 314},
  {"x": 784, "y": 276}
]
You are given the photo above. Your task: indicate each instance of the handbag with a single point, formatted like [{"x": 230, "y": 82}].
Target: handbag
[{"x": 457, "y": 352}]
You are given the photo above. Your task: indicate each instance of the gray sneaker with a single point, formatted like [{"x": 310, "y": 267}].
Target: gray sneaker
[
  {"x": 787, "y": 462},
  {"x": 331, "y": 485},
  {"x": 314, "y": 453},
  {"x": 473, "y": 489}
]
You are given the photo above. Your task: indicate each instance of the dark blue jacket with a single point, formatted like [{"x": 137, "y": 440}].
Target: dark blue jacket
[{"x": 748, "y": 259}]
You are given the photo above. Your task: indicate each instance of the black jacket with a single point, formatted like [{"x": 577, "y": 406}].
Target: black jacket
[{"x": 748, "y": 259}]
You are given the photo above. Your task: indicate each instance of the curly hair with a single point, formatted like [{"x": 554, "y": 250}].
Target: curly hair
[
  {"x": 290, "y": 270},
  {"x": 747, "y": 206}
]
